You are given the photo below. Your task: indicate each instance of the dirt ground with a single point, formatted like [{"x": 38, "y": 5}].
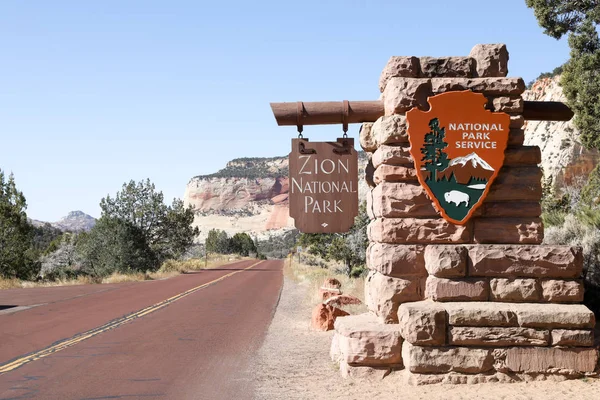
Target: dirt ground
[{"x": 294, "y": 363}]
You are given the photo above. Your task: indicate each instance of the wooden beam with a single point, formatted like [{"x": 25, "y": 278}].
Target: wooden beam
[
  {"x": 332, "y": 112},
  {"x": 546, "y": 111},
  {"x": 326, "y": 112}
]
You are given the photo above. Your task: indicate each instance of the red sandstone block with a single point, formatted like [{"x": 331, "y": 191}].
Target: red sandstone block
[
  {"x": 497, "y": 336},
  {"x": 562, "y": 291},
  {"x": 417, "y": 231},
  {"x": 436, "y": 360},
  {"x": 547, "y": 359},
  {"x": 423, "y": 323},
  {"x": 441, "y": 289},
  {"x": 525, "y": 261},
  {"x": 572, "y": 337},
  {"x": 508, "y": 230}
]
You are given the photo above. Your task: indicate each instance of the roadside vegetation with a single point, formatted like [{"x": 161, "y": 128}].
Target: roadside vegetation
[
  {"x": 347, "y": 248},
  {"x": 315, "y": 257},
  {"x": 278, "y": 246},
  {"x": 311, "y": 271},
  {"x": 138, "y": 237},
  {"x": 219, "y": 242},
  {"x": 571, "y": 216},
  {"x": 168, "y": 269}
]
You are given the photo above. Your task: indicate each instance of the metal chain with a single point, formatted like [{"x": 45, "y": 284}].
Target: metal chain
[
  {"x": 345, "y": 117},
  {"x": 299, "y": 112}
]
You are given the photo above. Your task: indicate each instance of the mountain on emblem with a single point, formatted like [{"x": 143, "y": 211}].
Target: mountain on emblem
[
  {"x": 468, "y": 167},
  {"x": 458, "y": 147}
]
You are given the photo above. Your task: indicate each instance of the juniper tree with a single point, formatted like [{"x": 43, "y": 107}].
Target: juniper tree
[
  {"x": 115, "y": 245},
  {"x": 217, "y": 241},
  {"x": 166, "y": 229},
  {"x": 242, "y": 244}
]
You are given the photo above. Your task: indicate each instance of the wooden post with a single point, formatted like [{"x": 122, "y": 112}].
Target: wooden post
[{"x": 332, "y": 112}]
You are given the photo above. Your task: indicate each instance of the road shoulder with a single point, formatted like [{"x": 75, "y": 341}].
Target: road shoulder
[{"x": 294, "y": 363}]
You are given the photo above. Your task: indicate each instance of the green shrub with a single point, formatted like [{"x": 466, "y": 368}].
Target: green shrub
[
  {"x": 115, "y": 245},
  {"x": 590, "y": 194},
  {"x": 577, "y": 231},
  {"x": 554, "y": 218},
  {"x": 358, "y": 271}
]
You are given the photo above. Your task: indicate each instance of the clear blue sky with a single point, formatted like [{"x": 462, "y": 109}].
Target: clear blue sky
[{"x": 96, "y": 93}]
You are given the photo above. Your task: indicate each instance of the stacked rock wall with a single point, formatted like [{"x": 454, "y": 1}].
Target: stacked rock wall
[{"x": 424, "y": 268}]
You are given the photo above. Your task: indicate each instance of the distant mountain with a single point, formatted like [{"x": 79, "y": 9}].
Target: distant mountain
[
  {"x": 37, "y": 223},
  {"x": 467, "y": 167},
  {"x": 75, "y": 221}
]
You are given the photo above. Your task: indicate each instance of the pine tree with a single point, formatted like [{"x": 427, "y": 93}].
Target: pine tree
[{"x": 434, "y": 156}]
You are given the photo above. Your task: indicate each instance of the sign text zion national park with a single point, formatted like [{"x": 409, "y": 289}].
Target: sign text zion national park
[{"x": 323, "y": 185}]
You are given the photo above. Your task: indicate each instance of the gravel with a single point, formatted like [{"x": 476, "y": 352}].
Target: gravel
[{"x": 294, "y": 363}]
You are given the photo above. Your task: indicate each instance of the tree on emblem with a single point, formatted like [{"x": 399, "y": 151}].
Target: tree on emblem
[{"x": 434, "y": 157}]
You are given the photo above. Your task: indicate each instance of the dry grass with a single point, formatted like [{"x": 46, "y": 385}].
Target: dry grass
[
  {"x": 196, "y": 264},
  {"x": 161, "y": 275},
  {"x": 313, "y": 276},
  {"x": 169, "y": 269},
  {"x": 81, "y": 280},
  {"x": 9, "y": 283},
  {"x": 122, "y": 278}
]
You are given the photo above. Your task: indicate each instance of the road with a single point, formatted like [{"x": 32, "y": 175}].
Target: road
[{"x": 189, "y": 337}]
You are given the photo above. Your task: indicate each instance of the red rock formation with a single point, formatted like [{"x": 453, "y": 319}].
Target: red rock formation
[{"x": 323, "y": 317}]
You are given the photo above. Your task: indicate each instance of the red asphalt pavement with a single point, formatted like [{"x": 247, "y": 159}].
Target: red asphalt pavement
[{"x": 199, "y": 347}]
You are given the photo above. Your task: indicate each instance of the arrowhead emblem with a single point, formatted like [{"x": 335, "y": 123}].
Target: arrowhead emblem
[{"x": 458, "y": 147}]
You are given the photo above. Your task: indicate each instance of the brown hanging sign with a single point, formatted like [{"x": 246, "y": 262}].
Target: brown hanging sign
[
  {"x": 323, "y": 185},
  {"x": 458, "y": 147}
]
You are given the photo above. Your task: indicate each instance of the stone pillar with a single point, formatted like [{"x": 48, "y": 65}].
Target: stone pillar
[
  {"x": 425, "y": 272},
  {"x": 404, "y": 218}
]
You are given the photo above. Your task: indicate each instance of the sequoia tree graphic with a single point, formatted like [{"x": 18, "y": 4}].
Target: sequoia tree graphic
[{"x": 434, "y": 157}]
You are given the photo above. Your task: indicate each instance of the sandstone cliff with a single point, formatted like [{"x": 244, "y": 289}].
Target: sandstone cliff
[
  {"x": 249, "y": 195},
  {"x": 563, "y": 157}
]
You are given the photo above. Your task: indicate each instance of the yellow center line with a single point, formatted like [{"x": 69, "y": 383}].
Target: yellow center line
[{"x": 66, "y": 343}]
